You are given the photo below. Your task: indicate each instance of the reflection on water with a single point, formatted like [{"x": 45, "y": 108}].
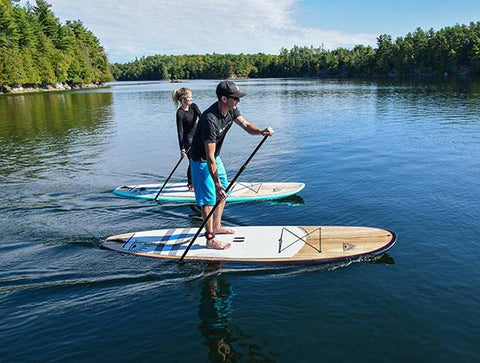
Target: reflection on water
[
  {"x": 226, "y": 341},
  {"x": 398, "y": 155},
  {"x": 384, "y": 259},
  {"x": 38, "y": 131},
  {"x": 32, "y": 116},
  {"x": 291, "y": 201}
]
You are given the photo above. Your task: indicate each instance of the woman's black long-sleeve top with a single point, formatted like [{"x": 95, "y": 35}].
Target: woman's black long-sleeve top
[{"x": 186, "y": 125}]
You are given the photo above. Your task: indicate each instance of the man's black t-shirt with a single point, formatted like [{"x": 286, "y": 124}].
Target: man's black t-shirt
[
  {"x": 186, "y": 122},
  {"x": 212, "y": 127}
]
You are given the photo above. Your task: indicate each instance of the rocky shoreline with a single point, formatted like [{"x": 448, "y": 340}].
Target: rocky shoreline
[{"x": 4, "y": 89}]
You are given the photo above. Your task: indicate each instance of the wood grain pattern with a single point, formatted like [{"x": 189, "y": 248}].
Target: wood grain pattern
[{"x": 342, "y": 242}]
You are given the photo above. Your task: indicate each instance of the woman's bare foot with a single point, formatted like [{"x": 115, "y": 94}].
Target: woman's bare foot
[
  {"x": 224, "y": 230},
  {"x": 217, "y": 245}
]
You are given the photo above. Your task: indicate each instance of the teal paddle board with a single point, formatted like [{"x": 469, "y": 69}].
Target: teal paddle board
[{"x": 240, "y": 192}]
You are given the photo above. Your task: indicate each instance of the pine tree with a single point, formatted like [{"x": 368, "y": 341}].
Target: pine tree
[{"x": 9, "y": 34}]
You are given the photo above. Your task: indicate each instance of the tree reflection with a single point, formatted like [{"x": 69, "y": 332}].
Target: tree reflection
[{"x": 39, "y": 130}]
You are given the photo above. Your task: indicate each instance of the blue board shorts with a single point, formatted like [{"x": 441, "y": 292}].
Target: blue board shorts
[{"x": 205, "y": 193}]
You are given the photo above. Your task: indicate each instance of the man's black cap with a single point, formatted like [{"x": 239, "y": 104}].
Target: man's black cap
[{"x": 229, "y": 89}]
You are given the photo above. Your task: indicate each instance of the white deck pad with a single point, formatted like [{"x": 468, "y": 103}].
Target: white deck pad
[{"x": 245, "y": 243}]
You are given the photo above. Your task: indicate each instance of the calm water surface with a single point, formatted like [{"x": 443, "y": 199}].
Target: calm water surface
[{"x": 403, "y": 156}]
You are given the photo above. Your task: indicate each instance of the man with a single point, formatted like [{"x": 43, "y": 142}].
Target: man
[{"x": 208, "y": 172}]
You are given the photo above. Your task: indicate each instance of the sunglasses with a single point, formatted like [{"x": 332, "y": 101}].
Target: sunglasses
[{"x": 235, "y": 98}]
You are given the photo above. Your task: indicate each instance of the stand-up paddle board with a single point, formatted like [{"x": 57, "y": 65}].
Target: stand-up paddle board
[
  {"x": 276, "y": 244},
  {"x": 240, "y": 192}
]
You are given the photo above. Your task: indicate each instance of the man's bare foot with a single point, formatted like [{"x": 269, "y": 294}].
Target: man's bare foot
[
  {"x": 217, "y": 245},
  {"x": 224, "y": 230}
]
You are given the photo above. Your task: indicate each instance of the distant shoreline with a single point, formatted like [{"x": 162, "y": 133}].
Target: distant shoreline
[{"x": 7, "y": 90}]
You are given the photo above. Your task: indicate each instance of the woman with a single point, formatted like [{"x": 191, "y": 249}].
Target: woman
[{"x": 187, "y": 117}]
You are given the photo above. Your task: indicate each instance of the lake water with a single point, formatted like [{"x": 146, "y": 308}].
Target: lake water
[{"x": 403, "y": 156}]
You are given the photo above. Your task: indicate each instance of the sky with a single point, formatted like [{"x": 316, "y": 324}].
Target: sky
[{"x": 130, "y": 29}]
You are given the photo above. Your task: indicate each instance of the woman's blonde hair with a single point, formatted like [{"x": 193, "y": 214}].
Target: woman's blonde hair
[{"x": 179, "y": 94}]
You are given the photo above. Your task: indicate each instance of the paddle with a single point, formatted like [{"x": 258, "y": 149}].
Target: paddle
[
  {"x": 218, "y": 202},
  {"x": 173, "y": 171}
]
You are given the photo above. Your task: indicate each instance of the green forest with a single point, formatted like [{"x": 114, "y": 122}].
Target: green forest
[
  {"x": 452, "y": 50},
  {"x": 36, "y": 50}
]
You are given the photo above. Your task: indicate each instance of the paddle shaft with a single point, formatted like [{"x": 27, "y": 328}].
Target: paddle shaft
[
  {"x": 219, "y": 201},
  {"x": 173, "y": 171}
]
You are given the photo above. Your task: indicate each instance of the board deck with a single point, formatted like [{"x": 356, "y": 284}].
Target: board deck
[
  {"x": 240, "y": 192},
  {"x": 277, "y": 244}
]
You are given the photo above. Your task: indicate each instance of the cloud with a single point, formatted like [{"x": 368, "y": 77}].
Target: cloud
[{"x": 129, "y": 29}]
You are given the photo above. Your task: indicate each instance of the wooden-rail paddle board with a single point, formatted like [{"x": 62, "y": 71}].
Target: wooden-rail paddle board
[
  {"x": 240, "y": 192},
  {"x": 277, "y": 244}
]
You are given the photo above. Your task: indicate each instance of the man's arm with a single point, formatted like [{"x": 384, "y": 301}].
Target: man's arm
[{"x": 253, "y": 129}]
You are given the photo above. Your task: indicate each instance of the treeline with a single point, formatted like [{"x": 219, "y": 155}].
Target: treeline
[
  {"x": 36, "y": 50},
  {"x": 451, "y": 50},
  {"x": 197, "y": 66}
]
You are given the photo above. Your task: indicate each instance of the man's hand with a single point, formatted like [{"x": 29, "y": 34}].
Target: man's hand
[
  {"x": 268, "y": 132},
  {"x": 221, "y": 192}
]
